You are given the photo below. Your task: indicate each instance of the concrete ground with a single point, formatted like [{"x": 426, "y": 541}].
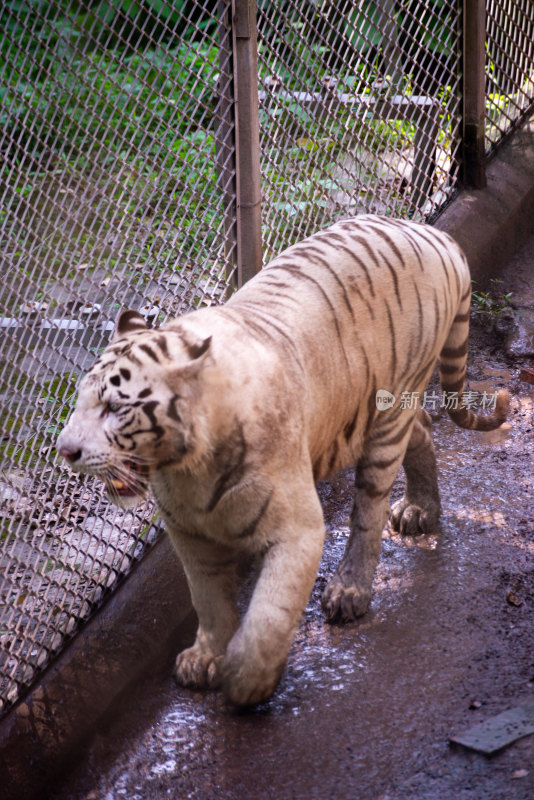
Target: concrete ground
[{"x": 365, "y": 711}]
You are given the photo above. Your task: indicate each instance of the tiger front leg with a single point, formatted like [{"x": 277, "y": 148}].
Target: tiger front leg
[
  {"x": 211, "y": 573},
  {"x": 418, "y": 511},
  {"x": 257, "y": 653},
  {"x": 348, "y": 593}
]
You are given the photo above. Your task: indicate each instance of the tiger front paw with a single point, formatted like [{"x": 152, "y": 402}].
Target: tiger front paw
[
  {"x": 343, "y": 603},
  {"x": 411, "y": 520},
  {"x": 249, "y": 677},
  {"x": 197, "y": 669}
]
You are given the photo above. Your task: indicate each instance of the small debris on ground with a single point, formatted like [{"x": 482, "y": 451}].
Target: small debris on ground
[
  {"x": 500, "y": 731},
  {"x": 526, "y": 374}
]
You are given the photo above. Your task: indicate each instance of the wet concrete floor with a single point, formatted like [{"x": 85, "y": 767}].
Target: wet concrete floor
[{"x": 365, "y": 711}]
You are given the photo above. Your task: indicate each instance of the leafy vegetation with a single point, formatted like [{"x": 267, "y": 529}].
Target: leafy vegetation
[
  {"x": 322, "y": 158},
  {"x": 106, "y": 99},
  {"x": 492, "y": 303},
  {"x": 29, "y": 430}
]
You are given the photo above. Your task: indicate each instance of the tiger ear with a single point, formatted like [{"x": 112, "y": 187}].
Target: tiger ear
[
  {"x": 197, "y": 347},
  {"x": 198, "y": 351},
  {"x": 128, "y": 322}
]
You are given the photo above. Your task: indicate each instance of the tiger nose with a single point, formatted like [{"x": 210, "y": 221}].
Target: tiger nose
[
  {"x": 70, "y": 455},
  {"x": 68, "y": 446}
]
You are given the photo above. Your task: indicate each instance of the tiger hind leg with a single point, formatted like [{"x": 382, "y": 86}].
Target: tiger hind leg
[{"x": 418, "y": 511}]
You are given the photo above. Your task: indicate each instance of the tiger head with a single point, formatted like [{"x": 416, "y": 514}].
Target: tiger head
[{"x": 134, "y": 411}]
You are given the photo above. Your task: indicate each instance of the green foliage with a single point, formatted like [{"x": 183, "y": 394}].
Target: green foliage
[
  {"x": 95, "y": 101},
  {"x": 119, "y": 116},
  {"x": 30, "y": 429},
  {"x": 492, "y": 303}
]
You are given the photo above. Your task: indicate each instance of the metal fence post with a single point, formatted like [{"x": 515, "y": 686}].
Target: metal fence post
[
  {"x": 225, "y": 129},
  {"x": 474, "y": 94},
  {"x": 247, "y": 140}
]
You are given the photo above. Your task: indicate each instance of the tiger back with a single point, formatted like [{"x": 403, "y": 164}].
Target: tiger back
[{"x": 232, "y": 413}]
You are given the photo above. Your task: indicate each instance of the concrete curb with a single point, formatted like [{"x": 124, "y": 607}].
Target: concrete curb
[
  {"x": 143, "y": 624},
  {"x": 493, "y": 223},
  {"x": 150, "y": 616}
]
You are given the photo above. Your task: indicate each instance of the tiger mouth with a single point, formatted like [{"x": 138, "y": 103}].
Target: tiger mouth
[{"x": 133, "y": 482}]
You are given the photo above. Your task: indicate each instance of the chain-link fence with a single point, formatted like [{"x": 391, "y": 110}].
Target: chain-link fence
[
  {"x": 360, "y": 110},
  {"x": 509, "y": 65},
  {"x": 116, "y": 189},
  {"x": 123, "y": 184}
]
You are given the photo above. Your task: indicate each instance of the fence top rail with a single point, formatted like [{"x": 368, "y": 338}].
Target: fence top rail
[{"x": 349, "y": 98}]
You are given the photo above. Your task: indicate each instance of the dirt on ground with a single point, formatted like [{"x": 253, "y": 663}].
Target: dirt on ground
[{"x": 366, "y": 711}]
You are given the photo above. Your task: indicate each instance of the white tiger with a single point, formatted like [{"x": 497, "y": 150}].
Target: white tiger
[{"x": 231, "y": 414}]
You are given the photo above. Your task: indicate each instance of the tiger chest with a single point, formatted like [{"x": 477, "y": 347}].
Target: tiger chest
[{"x": 237, "y": 516}]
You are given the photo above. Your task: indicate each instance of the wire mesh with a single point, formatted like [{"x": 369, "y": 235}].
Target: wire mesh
[
  {"x": 509, "y": 66},
  {"x": 116, "y": 178},
  {"x": 360, "y": 110}
]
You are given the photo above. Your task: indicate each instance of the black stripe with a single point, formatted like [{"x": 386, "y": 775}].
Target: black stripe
[
  {"x": 448, "y": 369},
  {"x": 381, "y": 463},
  {"x": 466, "y": 294},
  {"x": 437, "y": 321},
  {"x": 387, "y": 423},
  {"x": 150, "y": 352},
  {"x": 319, "y": 257},
  {"x": 461, "y": 318},
  {"x": 267, "y": 281},
  {"x": 348, "y": 430},
  {"x": 259, "y": 313},
  {"x": 149, "y": 409},
  {"x": 298, "y": 273},
  {"x": 420, "y": 307},
  {"x": 229, "y": 458},
  {"x": 171, "y": 409},
  {"x": 133, "y": 358},
  {"x": 245, "y": 326},
  {"x": 393, "y": 273},
  {"x": 423, "y": 372},
  {"x": 412, "y": 240},
  {"x": 369, "y": 487},
  {"x": 393, "y": 346},
  {"x": 161, "y": 342},
  {"x": 195, "y": 351},
  {"x": 355, "y": 257},
  {"x": 391, "y": 243},
  {"x": 455, "y": 352},
  {"x": 250, "y": 529},
  {"x": 428, "y": 239},
  {"x": 333, "y": 456},
  {"x": 371, "y": 407},
  {"x": 455, "y": 274},
  {"x": 398, "y": 437}
]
